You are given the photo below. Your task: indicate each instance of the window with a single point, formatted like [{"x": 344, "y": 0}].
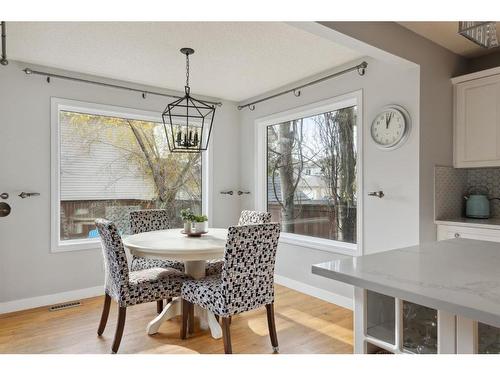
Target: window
[
  {"x": 310, "y": 172},
  {"x": 110, "y": 161}
]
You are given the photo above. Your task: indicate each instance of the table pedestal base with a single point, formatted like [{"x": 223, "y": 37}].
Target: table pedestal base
[{"x": 195, "y": 269}]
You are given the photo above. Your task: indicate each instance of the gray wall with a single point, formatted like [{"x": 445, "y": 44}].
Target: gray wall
[
  {"x": 27, "y": 268},
  {"x": 437, "y": 66},
  {"x": 388, "y": 223},
  {"x": 477, "y": 64}
]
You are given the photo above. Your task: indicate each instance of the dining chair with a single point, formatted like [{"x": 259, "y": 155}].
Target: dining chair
[
  {"x": 214, "y": 267},
  {"x": 246, "y": 282},
  {"x": 150, "y": 220},
  {"x": 130, "y": 288},
  {"x": 120, "y": 216}
]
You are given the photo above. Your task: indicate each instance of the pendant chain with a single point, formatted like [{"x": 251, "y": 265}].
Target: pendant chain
[{"x": 187, "y": 70}]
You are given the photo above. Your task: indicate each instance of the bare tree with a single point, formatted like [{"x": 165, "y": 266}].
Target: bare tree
[{"x": 288, "y": 161}]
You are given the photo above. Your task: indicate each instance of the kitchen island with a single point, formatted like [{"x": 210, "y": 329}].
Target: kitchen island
[{"x": 438, "y": 291}]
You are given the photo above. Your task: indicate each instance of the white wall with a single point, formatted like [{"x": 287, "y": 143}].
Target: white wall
[
  {"x": 389, "y": 222},
  {"x": 27, "y": 268},
  {"x": 437, "y": 66}
]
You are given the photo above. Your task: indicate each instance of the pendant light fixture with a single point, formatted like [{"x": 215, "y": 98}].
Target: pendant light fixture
[
  {"x": 482, "y": 33},
  {"x": 188, "y": 121}
]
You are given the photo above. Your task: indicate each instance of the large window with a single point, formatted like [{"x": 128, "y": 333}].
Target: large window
[
  {"x": 111, "y": 163},
  {"x": 311, "y": 172}
]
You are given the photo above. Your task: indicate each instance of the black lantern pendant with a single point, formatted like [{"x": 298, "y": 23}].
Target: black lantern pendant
[{"x": 188, "y": 121}]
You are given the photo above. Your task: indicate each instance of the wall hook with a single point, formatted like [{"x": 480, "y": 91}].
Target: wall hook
[
  {"x": 144, "y": 95},
  {"x": 251, "y": 107},
  {"x": 296, "y": 92},
  {"x": 48, "y": 79}
]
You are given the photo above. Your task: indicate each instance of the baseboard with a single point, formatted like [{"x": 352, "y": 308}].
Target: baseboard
[
  {"x": 50, "y": 299},
  {"x": 313, "y": 291}
]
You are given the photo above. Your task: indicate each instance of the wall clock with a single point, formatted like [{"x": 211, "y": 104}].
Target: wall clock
[{"x": 391, "y": 127}]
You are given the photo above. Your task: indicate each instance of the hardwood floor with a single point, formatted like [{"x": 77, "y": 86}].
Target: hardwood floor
[{"x": 304, "y": 325}]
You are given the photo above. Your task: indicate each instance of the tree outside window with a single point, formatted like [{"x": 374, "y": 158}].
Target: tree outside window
[
  {"x": 110, "y": 166},
  {"x": 311, "y": 172}
]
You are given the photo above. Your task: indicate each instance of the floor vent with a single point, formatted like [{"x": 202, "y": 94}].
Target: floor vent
[{"x": 63, "y": 306}]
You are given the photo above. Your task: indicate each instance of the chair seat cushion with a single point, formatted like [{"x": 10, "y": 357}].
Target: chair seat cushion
[
  {"x": 140, "y": 263},
  {"x": 206, "y": 293},
  {"x": 153, "y": 284}
]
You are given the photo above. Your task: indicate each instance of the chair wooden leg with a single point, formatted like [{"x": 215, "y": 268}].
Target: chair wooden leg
[
  {"x": 105, "y": 314},
  {"x": 226, "y": 335},
  {"x": 122, "y": 313},
  {"x": 185, "y": 315},
  {"x": 272, "y": 327},
  {"x": 191, "y": 318},
  {"x": 159, "y": 306}
]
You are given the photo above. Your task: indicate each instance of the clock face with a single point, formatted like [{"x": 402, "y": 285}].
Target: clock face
[{"x": 389, "y": 128}]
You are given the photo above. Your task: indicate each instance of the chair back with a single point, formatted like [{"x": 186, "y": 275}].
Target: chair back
[
  {"x": 254, "y": 217},
  {"x": 115, "y": 259},
  {"x": 148, "y": 220},
  {"x": 120, "y": 215},
  {"x": 248, "y": 272}
]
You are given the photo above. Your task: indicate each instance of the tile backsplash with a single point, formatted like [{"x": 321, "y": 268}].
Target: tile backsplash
[{"x": 451, "y": 184}]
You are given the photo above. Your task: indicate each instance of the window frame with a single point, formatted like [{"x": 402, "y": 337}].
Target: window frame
[
  {"x": 60, "y": 104},
  {"x": 342, "y": 101}
]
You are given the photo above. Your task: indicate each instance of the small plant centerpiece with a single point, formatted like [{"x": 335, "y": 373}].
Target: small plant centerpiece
[
  {"x": 200, "y": 223},
  {"x": 187, "y": 217}
]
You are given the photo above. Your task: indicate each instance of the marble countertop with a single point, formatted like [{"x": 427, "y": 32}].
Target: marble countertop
[
  {"x": 491, "y": 223},
  {"x": 460, "y": 276}
]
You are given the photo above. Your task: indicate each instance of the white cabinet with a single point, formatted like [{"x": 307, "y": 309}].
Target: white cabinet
[{"x": 477, "y": 120}]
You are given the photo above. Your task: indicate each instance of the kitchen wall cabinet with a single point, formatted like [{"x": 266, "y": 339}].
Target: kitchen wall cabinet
[{"x": 476, "y": 137}]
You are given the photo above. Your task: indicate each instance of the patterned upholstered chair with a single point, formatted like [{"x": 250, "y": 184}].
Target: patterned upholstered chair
[
  {"x": 129, "y": 288},
  {"x": 214, "y": 267},
  {"x": 148, "y": 221},
  {"x": 246, "y": 281}
]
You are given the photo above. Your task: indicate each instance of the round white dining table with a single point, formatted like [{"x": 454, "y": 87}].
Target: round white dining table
[{"x": 172, "y": 244}]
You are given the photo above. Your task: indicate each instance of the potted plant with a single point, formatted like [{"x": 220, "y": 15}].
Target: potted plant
[
  {"x": 187, "y": 217},
  {"x": 200, "y": 223}
]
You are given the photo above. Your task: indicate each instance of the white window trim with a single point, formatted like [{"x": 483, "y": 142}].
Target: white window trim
[
  {"x": 59, "y": 104},
  {"x": 332, "y": 104}
]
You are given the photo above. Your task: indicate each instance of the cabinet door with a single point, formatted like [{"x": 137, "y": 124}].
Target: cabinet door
[{"x": 477, "y": 123}]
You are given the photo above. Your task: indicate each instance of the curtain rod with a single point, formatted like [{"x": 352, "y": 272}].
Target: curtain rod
[
  {"x": 361, "y": 68},
  {"x": 29, "y": 71}
]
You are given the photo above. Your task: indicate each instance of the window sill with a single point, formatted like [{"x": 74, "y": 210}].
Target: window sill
[
  {"x": 322, "y": 244},
  {"x": 75, "y": 245}
]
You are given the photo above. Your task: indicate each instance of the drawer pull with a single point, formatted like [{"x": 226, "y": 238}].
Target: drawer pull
[{"x": 457, "y": 235}]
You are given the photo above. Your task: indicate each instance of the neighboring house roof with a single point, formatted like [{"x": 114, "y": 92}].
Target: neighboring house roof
[
  {"x": 271, "y": 196},
  {"x": 98, "y": 171}
]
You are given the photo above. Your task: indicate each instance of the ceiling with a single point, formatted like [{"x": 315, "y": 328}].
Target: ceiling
[
  {"x": 233, "y": 60},
  {"x": 446, "y": 35}
]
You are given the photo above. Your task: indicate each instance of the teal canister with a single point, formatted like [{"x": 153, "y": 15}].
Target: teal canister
[{"x": 477, "y": 206}]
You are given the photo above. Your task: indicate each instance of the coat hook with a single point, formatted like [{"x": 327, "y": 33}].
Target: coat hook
[
  {"x": 48, "y": 79},
  {"x": 251, "y": 107},
  {"x": 296, "y": 92},
  {"x": 144, "y": 95}
]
